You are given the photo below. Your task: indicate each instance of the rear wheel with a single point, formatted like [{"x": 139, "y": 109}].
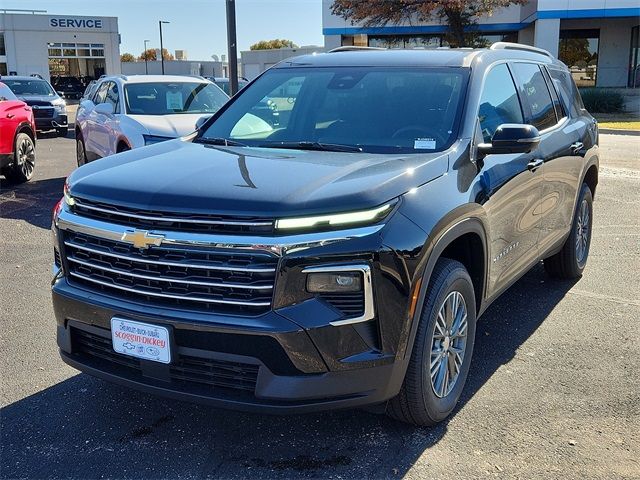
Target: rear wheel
[
  {"x": 81, "y": 155},
  {"x": 570, "y": 261},
  {"x": 24, "y": 160},
  {"x": 443, "y": 347}
]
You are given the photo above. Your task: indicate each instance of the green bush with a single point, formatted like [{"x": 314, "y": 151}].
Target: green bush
[{"x": 598, "y": 100}]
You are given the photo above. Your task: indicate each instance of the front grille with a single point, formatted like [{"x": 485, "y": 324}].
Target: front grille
[
  {"x": 179, "y": 222},
  {"x": 350, "y": 304},
  {"x": 225, "y": 281},
  {"x": 43, "y": 112},
  {"x": 185, "y": 369}
]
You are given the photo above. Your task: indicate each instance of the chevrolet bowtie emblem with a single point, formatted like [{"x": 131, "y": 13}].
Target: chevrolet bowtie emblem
[{"x": 142, "y": 238}]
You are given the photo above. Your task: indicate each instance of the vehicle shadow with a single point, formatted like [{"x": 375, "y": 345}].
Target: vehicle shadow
[
  {"x": 82, "y": 427},
  {"x": 32, "y": 202}
]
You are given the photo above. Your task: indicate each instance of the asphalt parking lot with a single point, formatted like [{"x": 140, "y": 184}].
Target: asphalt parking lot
[{"x": 554, "y": 388}]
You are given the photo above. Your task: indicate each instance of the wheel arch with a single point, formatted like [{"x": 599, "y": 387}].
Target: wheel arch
[
  {"x": 591, "y": 179},
  {"x": 122, "y": 142},
  {"x": 464, "y": 240},
  {"x": 24, "y": 127}
]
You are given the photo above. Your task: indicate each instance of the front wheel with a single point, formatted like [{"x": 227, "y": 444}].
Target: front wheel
[
  {"x": 442, "y": 350},
  {"x": 81, "y": 155},
  {"x": 569, "y": 262},
  {"x": 24, "y": 160}
]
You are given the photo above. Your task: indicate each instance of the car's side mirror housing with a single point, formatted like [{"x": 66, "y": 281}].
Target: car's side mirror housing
[
  {"x": 104, "y": 109},
  {"x": 201, "y": 121},
  {"x": 511, "y": 138}
]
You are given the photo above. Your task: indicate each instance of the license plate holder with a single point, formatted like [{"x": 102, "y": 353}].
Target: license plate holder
[{"x": 141, "y": 340}]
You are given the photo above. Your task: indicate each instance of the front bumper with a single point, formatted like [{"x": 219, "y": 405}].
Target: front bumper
[
  {"x": 49, "y": 123},
  {"x": 267, "y": 364}
]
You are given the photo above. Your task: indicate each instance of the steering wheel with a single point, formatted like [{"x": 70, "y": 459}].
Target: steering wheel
[{"x": 420, "y": 132}]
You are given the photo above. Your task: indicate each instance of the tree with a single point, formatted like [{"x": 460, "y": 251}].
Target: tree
[
  {"x": 460, "y": 16},
  {"x": 151, "y": 55},
  {"x": 270, "y": 44},
  {"x": 127, "y": 57}
]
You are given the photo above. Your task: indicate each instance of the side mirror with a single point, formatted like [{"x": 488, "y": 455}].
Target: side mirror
[
  {"x": 201, "y": 121},
  {"x": 511, "y": 138},
  {"x": 104, "y": 109}
]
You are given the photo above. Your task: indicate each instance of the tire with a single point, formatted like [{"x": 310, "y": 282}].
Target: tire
[
  {"x": 62, "y": 132},
  {"x": 569, "y": 262},
  {"x": 81, "y": 153},
  {"x": 24, "y": 160},
  {"x": 423, "y": 399}
]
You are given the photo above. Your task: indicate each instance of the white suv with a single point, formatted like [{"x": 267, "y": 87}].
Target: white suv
[{"x": 126, "y": 112}]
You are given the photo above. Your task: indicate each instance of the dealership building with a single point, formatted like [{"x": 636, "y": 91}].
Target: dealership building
[
  {"x": 597, "y": 39},
  {"x": 52, "y": 45}
]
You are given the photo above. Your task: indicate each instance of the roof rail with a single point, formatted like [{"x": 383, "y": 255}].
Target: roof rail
[
  {"x": 348, "y": 48},
  {"x": 519, "y": 46}
]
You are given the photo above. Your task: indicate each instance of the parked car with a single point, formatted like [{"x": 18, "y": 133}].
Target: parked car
[
  {"x": 130, "y": 112},
  {"x": 342, "y": 258},
  {"x": 69, "y": 87},
  {"x": 49, "y": 109},
  {"x": 223, "y": 83},
  {"x": 17, "y": 137}
]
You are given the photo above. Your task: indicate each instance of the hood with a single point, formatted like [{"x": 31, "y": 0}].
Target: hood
[
  {"x": 38, "y": 99},
  {"x": 170, "y": 125},
  {"x": 180, "y": 176}
]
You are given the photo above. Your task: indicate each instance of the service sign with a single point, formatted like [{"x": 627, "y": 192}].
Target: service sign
[
  {"x": 140, "y": 340},
  {"x": 75, "y": 23}
]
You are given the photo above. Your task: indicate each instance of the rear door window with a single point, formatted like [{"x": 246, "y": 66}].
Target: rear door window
[
  {"x": 112, "y": 96},
  {"x": 538, "y": 105},
  {"x": 101, "y": 93},
  {"x": 499, "y": 102}
]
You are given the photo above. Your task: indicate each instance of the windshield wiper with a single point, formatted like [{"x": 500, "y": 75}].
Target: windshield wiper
[
  {"x": 321, "y": 146},
  {"x": 220, "y": 141}
]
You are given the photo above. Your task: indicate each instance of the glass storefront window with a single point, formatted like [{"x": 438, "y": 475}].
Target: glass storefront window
[
  {"x": 2, "y": 48},
  {"x": 55, "y": 52},
  {"x": 3, "y": 68},
  {"x": 434, "y": 41},
  {"x": 578, "y": 49},
  {"x": 634, "y": 63}
]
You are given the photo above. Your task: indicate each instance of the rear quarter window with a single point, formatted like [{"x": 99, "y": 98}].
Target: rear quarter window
[
  {"x": 566, "y": 87},
  {"x": 535, "y": 95}
]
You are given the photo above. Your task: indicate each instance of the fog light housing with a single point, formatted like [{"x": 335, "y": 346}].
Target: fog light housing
[{"x": 338, "y": 282}]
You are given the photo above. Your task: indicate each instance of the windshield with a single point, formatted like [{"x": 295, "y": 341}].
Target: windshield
[
  {"x": 30, "y": 87},
  {"x": 375, "y": 109},
  {"x": 162, "y": 98}
]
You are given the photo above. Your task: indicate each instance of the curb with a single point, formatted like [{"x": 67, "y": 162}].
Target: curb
[{"x": 618, "y": 131}]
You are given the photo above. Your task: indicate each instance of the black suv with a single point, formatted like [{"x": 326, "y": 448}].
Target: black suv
[{"x": 342, "y": 257}]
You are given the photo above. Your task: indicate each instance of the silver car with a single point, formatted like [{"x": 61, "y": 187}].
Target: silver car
[{"x": 126, "y": 112}]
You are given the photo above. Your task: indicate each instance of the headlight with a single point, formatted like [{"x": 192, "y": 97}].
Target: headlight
[
  {"x": 339, "y": 282},
  {"x": 68, "y": 199},
  {"x": 363, "y": 216},
  {"x": 60, "y": 108},
  {"x": 153, "y": 139}
]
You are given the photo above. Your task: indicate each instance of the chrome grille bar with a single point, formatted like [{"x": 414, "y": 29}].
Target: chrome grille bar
[
  {"x": 221, "y": 268},
  {"x": 201, "y": 221},
  {"x": 168, "y": 295},
  {"x": 169, "y": 279}
]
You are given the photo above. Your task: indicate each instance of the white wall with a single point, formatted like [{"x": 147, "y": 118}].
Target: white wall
[
  {"x": 175, "y": 67},
  {"x": 254, "y": 62},
  {"x": 26, "y": 38}
]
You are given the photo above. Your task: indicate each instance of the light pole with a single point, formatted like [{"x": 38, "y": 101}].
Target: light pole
[
  {"x": 161, "y": 47},
  {"x": 231, "y": 45},
  {"x": 146, "y": 67}
]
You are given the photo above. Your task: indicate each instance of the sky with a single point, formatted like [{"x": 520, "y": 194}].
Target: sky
[{"x": 197, "y": 26}]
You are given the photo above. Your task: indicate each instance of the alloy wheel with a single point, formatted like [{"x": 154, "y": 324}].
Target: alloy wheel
[
  {"x": 80, "y": 153},
  {"x": 582, "y": 232},
  {"x": 448, "y": 344},
  {"x": 26, "y": 157}
]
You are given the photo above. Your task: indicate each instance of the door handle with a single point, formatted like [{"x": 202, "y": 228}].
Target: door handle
[
  {"x": 576, "y": 147},
  {"x": 10, "y": 115},
  {"x": 535, "y": 164}
]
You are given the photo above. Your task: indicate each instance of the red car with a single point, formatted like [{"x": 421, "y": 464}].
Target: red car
[{"x": 17, "y": 137}]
